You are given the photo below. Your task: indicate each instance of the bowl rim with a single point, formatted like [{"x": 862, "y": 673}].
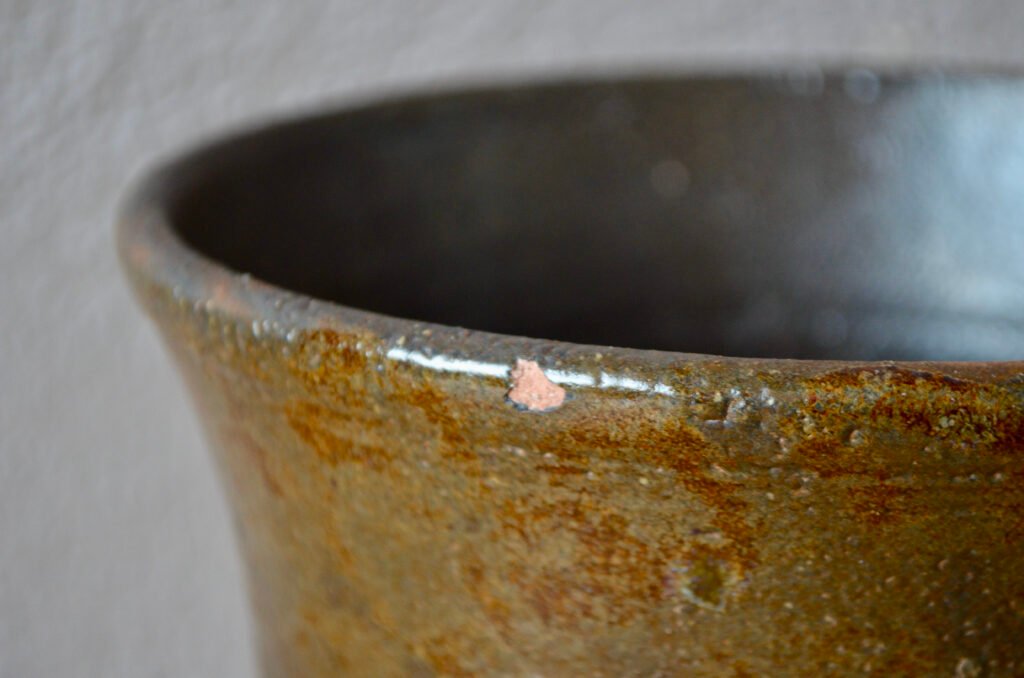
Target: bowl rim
[{"x": 159, "y": 262}]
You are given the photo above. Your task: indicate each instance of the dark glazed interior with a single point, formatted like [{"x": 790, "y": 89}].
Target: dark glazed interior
[{"x": 797, "y": 216}]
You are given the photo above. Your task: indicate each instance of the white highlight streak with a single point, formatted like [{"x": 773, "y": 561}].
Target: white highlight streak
[
  {"x": 664, "y": 389},
  {"x": 627, "y": 383},
  {"x": 571, "y": 378},
  {"x": 446, "y": 364}
]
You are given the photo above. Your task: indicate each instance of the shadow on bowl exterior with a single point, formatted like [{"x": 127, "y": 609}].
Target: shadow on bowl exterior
[{"x": 404, "y": 510}]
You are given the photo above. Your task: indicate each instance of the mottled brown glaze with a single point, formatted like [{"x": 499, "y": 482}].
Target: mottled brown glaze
[{"x": 677, "y": 515}]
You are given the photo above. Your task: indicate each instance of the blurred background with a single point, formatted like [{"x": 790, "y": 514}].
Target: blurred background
[{"x": 117, "y": 556}]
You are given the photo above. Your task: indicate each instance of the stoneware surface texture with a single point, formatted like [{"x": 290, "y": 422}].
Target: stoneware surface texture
[{"x": 403, "y": 510}]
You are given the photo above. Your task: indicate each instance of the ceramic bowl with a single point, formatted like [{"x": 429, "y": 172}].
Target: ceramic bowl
[{"x": 668, "y": 376}]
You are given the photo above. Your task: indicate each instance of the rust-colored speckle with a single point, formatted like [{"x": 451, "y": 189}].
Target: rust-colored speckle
[
  {"x": 443, "y": 415},
  {"x": 637, "y": 439},
  {"x": 612, "y": 574},
  {"x": 881, "y": 503},
  {"x": 740, "y": 669},
  {"x": 495, "y": 608},
  {"x": 443, "y": 662},
  {"x": 919, "y": 402},
  {"x": 322, "y": 429},
  {"x": 328, "y": 363}
]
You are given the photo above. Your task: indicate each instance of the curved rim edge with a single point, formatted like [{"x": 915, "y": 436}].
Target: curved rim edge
[{"x": 155, "y": 256}]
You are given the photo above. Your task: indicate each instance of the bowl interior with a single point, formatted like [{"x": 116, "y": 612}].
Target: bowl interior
[{"x": 847, "y": 216}]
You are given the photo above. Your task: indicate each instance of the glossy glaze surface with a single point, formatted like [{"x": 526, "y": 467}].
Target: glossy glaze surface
[{"x": 676, "y": 513}]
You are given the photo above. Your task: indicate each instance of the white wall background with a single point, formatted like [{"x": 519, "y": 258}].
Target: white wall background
[{"x": 116, "y": 552}]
